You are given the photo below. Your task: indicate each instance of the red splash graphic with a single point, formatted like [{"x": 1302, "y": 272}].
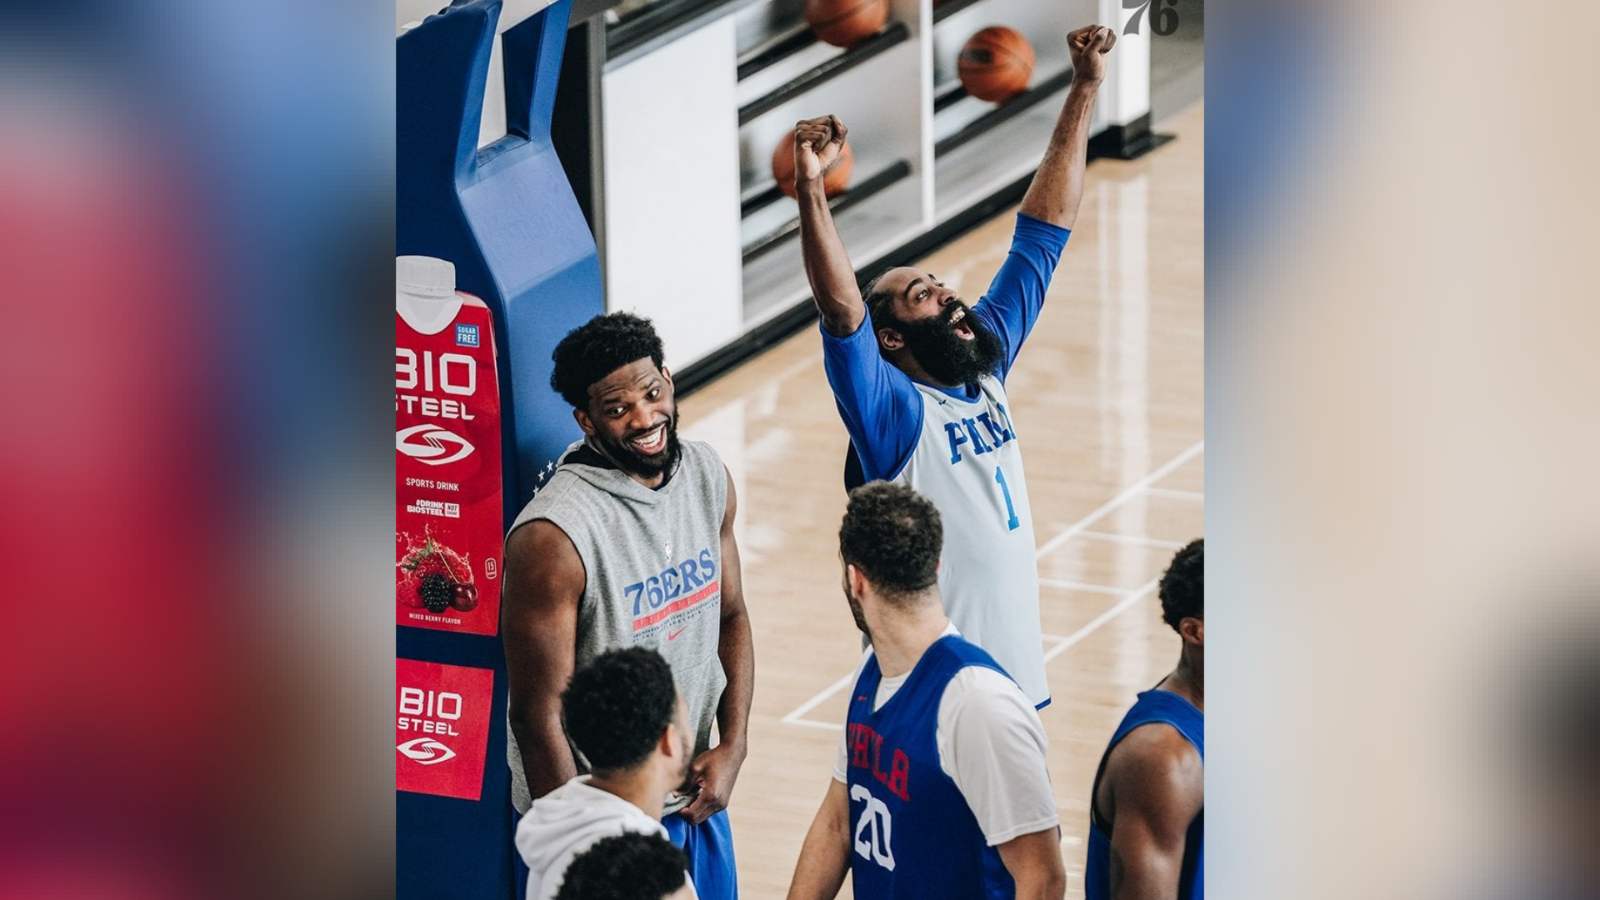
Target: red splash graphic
[{"x": 435, "y": 577}]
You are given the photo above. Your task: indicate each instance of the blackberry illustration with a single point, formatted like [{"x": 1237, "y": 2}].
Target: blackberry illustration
[
  {"x": 437, "y": 591},
  {"x": 434, "y": 577}
]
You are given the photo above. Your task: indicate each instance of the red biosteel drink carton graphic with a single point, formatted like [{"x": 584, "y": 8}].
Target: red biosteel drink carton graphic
[
  {"x": 448, "y": 540},
  {"x": 441, "y": 728}
]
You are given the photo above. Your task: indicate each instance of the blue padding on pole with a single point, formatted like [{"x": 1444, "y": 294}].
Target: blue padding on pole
[
  {"x": 505, "y": 215},
  {"x": 508, "y": 219}
]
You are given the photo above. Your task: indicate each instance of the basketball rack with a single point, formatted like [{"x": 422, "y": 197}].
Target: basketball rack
[{"x": 696, "y": 234}]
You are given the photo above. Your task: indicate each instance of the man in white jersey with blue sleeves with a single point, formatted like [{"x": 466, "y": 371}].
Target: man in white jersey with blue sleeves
[{"x": 919, "y": 376}]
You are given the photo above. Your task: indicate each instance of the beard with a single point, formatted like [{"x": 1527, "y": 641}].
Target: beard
[
  {"x": 949, "y": 359},
  {"x": 636, "y": 463},
  {"x": 857, "y": 614}
]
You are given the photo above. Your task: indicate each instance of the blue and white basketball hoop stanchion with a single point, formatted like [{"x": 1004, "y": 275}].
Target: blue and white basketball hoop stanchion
[{"x": 506, "y": 216}]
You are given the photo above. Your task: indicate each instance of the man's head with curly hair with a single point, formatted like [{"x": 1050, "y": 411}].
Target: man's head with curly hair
[
  {"x": 890, "y": 537},
  {"x": 1183, "y": 588},
  {"x": 610, "y": 370},
  {"x": 622, "y": 711},
  {"x": 627, "y": 866}
]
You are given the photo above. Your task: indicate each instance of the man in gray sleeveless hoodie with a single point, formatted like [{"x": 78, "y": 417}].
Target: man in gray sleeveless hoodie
[{"x": 630, "y": 544}]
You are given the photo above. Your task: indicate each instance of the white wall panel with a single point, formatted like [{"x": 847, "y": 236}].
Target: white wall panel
[
  {"x": 672, "y": 191},
  {"x": 1125, "y": 96}
]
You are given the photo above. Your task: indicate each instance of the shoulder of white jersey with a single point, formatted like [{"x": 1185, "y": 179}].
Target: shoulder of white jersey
[
  {"x": 990, "y": 682},
  {"x": 983, "y": 688}
]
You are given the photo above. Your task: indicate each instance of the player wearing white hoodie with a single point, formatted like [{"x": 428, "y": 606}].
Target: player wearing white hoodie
[{"x": 623, "y": 714}]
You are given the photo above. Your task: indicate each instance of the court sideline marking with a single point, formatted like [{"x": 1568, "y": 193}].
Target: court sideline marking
[{"x": 1127, "y": 494}]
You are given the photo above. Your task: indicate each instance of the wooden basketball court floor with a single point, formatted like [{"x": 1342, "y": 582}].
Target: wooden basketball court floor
[{"x": 1107, "y": 396}]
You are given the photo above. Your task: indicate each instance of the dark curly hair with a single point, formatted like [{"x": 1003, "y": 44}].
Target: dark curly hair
[
  {"x": 893, "y": 535},
  {"x": 597, "y": 348},
  {"x": 877, "y": 301},
  {"x": 1183, "y": 586},
  {"x": 616, "y": 707},
  {"x": 627, "y": 866}
]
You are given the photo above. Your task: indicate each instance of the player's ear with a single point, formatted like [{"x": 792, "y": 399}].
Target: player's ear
[
  {"x": 1193, "y": 631},
  {"x": 890, "y": 339},
  {"x": 582, "y": 418}
]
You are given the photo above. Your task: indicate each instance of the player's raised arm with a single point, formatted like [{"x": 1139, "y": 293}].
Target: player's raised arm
[
  {"x": 817, "y": 145},
  {"x": 1057, "y": 187},
  {"x": 825, "y": 855},
  {"x": 1011, "y": 306},
  {"x": 544, "y": 580}
]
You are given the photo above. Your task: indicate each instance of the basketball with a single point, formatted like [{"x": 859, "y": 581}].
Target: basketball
[
  {"x": 844, "y": 23},
  {"x": 995, "y": 64},
  {"x": 834, "y": 179}
]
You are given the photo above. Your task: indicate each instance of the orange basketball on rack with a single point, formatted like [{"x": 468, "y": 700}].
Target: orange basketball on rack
[
  {"x": 843, "y": 23},
  {"x": 995, "y": 64},
  {"x": 834, "y": 180}
]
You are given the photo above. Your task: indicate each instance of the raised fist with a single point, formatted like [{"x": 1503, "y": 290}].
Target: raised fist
[
  {"x": 817, "y": 145},
  {"x": 1088, "y": 47}
]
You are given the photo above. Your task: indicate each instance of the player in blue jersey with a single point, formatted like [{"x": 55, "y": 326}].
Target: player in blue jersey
[
  {"x": 919, "y": 376},
  {"x": 940, "y": 789},
  {"x": 1147, "y": 807}
]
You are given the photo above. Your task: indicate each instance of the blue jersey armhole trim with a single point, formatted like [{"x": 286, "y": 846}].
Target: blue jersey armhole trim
[
  {"x": 1042, "y": 704},
  {"x": 1119, "y": 738},
  {"x": 922, "y": 413}
]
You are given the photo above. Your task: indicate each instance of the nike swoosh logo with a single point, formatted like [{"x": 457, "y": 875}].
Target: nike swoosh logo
[{"x": 673, "y": 635}]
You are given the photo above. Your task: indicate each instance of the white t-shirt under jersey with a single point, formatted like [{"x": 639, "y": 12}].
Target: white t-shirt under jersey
[{"x": 991, "y": 744}]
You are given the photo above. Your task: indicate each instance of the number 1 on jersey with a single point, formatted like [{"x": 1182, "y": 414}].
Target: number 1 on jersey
[{"x": 1011, "y": 511}]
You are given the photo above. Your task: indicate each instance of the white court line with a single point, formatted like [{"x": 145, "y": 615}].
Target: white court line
[
  {"x": 1080, "y": 586},
  {"x": 1132, "y": 489},
  {"x": 1137, "y": 540},
  {"x": 1196, "y": 496},
  {"x": 1095, "y": 623},
  {"x": 813, "y": 723},
  {"x": 797, "y": 716},
  {"x": 1063, "y": 644}
]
